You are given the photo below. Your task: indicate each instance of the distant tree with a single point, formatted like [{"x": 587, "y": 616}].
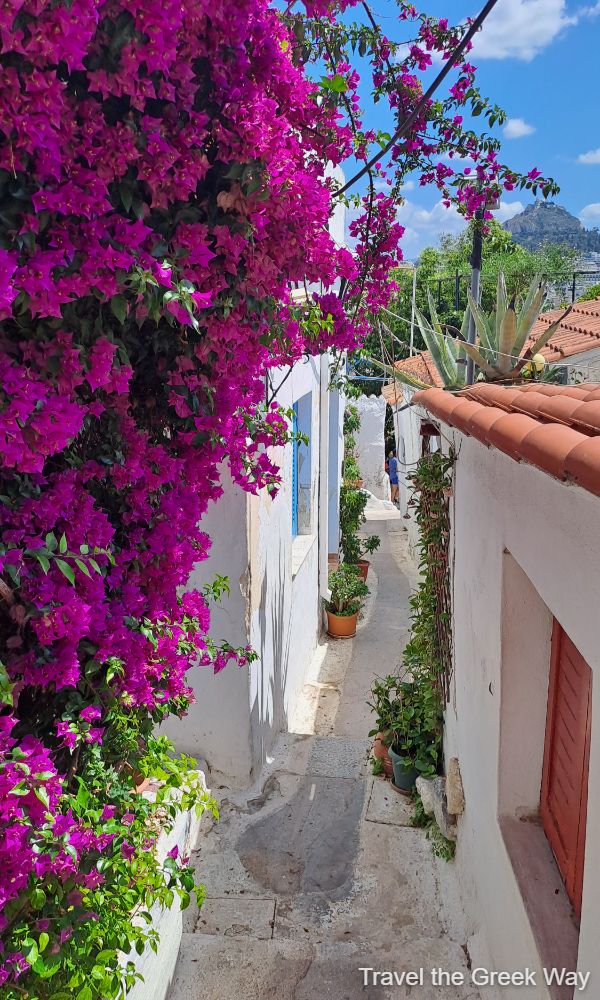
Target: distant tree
[{"x": 591, "y": 293}]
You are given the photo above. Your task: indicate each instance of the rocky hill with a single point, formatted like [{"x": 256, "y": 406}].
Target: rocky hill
[{"x": 546, "y": 222}]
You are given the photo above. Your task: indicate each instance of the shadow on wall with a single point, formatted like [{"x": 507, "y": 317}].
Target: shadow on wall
[{"x": 268, "y": 713}]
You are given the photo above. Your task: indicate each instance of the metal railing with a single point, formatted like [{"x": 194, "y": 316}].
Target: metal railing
[{"x": 451, "y": 292}]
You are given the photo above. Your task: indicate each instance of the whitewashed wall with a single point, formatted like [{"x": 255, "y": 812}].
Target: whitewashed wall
[
  {"x": 284, "y": 612},
  {"x": 526, "y": 548},
  {"x": 274, "y": 603},
  {"x": 371, "y": 445},
  {"x": 334, "y": 471},
  {"x": 409, "y": 445}
]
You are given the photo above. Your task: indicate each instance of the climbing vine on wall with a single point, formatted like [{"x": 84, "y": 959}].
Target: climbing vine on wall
[{"x": 431, "y": 636}]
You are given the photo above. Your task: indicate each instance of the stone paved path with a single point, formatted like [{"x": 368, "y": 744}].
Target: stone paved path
[{"x": 316, "y": 872}]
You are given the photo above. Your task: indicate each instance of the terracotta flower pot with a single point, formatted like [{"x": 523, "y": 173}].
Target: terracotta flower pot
[
  {"x": 341, "y": 626},
  {"x": 380, "y": 752},
  {"x": 363, "y": 568},
  {"x": 140, "y": 783},
  {"x": 355, "y": 484}
]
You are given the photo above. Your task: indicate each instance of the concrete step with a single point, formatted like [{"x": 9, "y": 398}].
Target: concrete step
[{"x": 227, "y": 968}]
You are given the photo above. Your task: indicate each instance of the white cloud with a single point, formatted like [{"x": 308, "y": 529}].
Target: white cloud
[
  {"x": 508, "y": 210},
  {"x": 590, "y": 215},
  {"x": 592, "y": 157},
  {"x": 521, "y": 29},
  {"x": 408, "y": 186},
  {"x": 423, "y": 226},
  {"x": 516, "y": 128}
]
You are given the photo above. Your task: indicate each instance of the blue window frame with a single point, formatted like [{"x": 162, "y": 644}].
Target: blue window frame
[{"x": 302, "y": 490}]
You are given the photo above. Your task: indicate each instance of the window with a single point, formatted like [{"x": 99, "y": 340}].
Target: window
[
  {"x": 566, "y": 761},
  {"x": 302, "y": 468}
]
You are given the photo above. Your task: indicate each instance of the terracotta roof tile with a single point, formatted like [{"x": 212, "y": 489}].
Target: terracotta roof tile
[
  {"x": 556, "y": 431},
  {"x": 421, "y": 366},
  {"x": 578, "y": 332}
]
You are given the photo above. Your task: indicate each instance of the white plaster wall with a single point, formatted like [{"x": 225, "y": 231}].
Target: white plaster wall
[
  {"x": 585, "y": 366},
  {"x": 409, "y": 443},
  {"x": 284, "y": 596},
  {"x": 371, "y": 445},
  {"x": 335, "y": 458},
  {"x": 217, "y": 727},
  {"x": 551, "y": 532}
]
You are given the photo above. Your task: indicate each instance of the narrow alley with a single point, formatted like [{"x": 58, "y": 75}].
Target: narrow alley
[{"x": 315, "y": 873}]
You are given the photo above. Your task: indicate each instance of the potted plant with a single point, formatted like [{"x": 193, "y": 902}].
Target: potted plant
[
  {"x": 382, "y": 695},
  {"x": 408, "y": 715},
  {"x": 367, "y": 546},
  {"x": 416, "y": 726},
  {"x": 347, "y": 593}
]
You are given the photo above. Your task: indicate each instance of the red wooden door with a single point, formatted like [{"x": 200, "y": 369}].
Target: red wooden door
[{"x": 566, "y": 761}]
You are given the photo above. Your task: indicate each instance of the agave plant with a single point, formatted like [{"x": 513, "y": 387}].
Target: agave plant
[
  {"x": 499, "y": 354},
  {"x": 447, "y": 352},
  {"x": 504, "y": 333}
]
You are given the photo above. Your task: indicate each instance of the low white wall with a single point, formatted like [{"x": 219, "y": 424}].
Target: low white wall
[
  {"x": 217, "y": 727},
  {"x": 158, "y": 967},
  {"x": 371, "y": 445},
  {"x": 518, "y": 531}
]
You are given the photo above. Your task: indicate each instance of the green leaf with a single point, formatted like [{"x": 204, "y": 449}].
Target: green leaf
[
  {"x": 82, "y": 566},
  {"x": 337, "y": 84},
  {"x": 30, "y": 951},
  {"x": 118, "y": 305},
  {"x": 51, "y": 967},
  {"x": 545, "y": 337},
  {"x": 95, "y": 565},
  {"x": 43, "y": 941},
  {"x": 43, "y": 561},
  {"x": 42, "y": 794},
  {"x": 85, "y": 994},
  {"x": 62, "y": 545},
  {"x": 37, "y": 900},
  {"x": 66, "y": 570},
  {"x": 51, "y": 542}
]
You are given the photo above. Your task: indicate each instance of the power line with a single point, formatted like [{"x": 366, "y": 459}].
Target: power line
[{"x": 408, "y": 122}]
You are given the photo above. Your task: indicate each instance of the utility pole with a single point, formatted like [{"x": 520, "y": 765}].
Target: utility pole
[
  {"x": 476, "y": 256},
  {"x": 413, "y": 310}
]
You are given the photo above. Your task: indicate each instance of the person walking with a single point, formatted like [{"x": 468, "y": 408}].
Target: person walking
[{"x": 393, "y": 474}]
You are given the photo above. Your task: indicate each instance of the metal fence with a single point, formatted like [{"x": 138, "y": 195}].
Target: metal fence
[{"x": 451, "y": 292}]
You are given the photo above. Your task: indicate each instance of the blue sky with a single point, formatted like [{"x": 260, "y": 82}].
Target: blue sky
[{"x": 539, "y": 60}]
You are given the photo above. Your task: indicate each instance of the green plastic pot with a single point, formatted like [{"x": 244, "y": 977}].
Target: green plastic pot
[{"x": 405, "y": 773}]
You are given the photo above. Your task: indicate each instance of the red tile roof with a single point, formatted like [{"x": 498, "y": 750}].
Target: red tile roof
[
  {"x": 421, "y": 366},
  {"x": 579, "y": 332},
  {"x": 555, "y": 427}
]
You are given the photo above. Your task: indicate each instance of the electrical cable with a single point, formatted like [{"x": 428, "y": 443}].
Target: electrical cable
[{"x": 408, "y": 122}]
